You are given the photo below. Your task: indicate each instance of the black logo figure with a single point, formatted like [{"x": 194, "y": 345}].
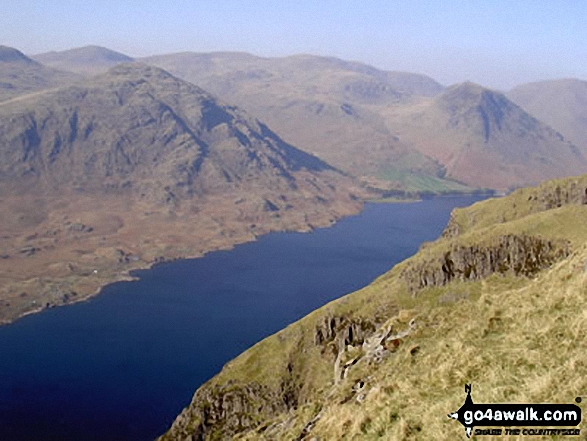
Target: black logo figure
[{"x": 459, "y": 415}]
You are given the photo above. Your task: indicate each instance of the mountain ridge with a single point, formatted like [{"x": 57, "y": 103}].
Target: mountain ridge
[
  {"x": 320, "y": 104},
  {"x": 86, "y": 60}
]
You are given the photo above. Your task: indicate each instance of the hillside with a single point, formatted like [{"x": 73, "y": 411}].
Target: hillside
[
  {"x": 136, "y": 166},
  {"x": 87, "y": 60},
  {"x": 324, "y": 105},
  {"x": 497, "y": 301},
  {"x": 562, "y": 104},
  {"x": 483, "y": 139},
  {"x": 21, "y": 75}
]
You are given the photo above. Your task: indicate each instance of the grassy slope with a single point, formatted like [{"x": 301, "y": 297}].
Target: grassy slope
[
  {"x": 421, "y": 182},
  {"x": 515, "y": 339}
]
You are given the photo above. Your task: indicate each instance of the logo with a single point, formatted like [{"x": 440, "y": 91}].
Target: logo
[{"x": 471, "y": 415}]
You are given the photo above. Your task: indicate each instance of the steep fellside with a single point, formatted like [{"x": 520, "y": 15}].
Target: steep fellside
[
  {"x": 20, "y": 75},
  {"x": 390, "y": 361},
  {"x": 326, "y": 106},
  {"x": 562, "y": 104},
  {"x": 483, "y": 139},
  {"x": 140, "y": 129},
  {"x": 87, "y": 60},
  {"x": 136, "y": 166}
]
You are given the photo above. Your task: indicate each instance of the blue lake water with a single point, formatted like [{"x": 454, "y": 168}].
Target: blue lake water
[{"x": 122, "y": 365}]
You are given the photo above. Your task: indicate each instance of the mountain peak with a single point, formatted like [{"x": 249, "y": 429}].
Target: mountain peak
[
  {"x": 466, "y": 89},
  {"x": 463, "y": 96},
  {"x": 89, "y": 53},
  {"x": 11, "y": 55},
  {"x": 85, "y": 60}
]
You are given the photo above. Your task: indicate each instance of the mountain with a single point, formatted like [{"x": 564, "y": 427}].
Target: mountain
[
  {"x": 484, "y": 139},
  {"x": 497, "y": 302},
  {"x": 389, "y": 128},
  {"x": 324, "y": 105},
  {"x": 135, "y": 166},
  {"x": 138, "y": 127},
  {"x": 87, "y": 60},
  {"x": 562, "y": 104},
  {"x": 21, "y": 75},
  {"x": 308, "y": 75}
]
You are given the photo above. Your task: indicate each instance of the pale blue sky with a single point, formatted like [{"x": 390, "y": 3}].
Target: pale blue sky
[{"x": 497, "y": 43}]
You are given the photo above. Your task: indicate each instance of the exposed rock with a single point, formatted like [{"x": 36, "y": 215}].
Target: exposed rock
[
  {"x": 571, "y": 194},
  {"x": 343, "y": 331},
  {"x": 80, "y": 228},
  {"x": 28, "y": 251},
  {"x": 224, "y": 411},
  {"x": 309, "y": 426},
  {"x": 452, "y": 229},
  {"x": 509, "y": 254},
  {"x": 269, "y": 206}
]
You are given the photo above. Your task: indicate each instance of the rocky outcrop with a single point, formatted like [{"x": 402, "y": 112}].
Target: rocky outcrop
[
  {"x": 217, "y": 413},
  {"x": 542, "y": 198},
  {"x": 509, "y": 254},
  {"x": 571, "y": 194},
  {"x": 343, "y": 331},
  {"x": 453, "y": 228}
]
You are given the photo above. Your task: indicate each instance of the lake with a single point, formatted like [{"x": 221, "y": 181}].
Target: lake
[{"x": 122, "y": 365}]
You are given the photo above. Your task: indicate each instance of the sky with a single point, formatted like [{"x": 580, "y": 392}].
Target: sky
[{"x": 497, "y": 43}]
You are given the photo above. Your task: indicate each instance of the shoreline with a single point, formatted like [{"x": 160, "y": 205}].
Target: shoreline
[{"x": 141, "y": 265}]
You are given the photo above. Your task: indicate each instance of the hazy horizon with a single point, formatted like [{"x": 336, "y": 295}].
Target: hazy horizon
[{"x": 498, "y": 45}]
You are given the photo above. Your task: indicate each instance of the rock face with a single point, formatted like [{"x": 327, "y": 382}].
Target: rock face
[
  {"x": 342, "y": 331},
  {"x": 139, "y": 130},
  {"x": 559, "y": 195},
  {"x": 231, "y": 407},
  {"x": 219, "y": 412},
  {"x": 509, "y": 254}
]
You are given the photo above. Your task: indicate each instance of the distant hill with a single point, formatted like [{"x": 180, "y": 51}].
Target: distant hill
[
  {"x": 20, "y": 75},
  {"x": 306, "y": 75},
  {"x": 484, "y": 139},
  {"x": 560, "y": 103},
  {"x": 324, "y": 105},
  {"x": 87, "y": 60},
  {"x": 395, "y": 127},
  {"x": 394, "y": 130}
]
